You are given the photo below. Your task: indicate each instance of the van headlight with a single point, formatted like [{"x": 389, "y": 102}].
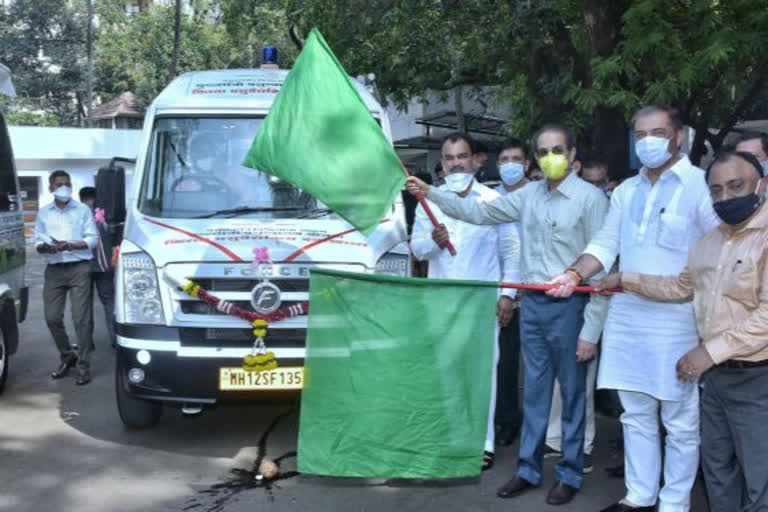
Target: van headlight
[
  {"x": 394, "y": 264},
  {"x": 141, "y": 290}
]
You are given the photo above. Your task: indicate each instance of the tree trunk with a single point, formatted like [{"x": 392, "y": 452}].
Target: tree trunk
[
  {"x": 89, "y": 77},
  {"x": 461, "y": 123},
  {"x": 176, "y": 39},
  {"x": 609, "y": 141},
  {"x": 609, "y": 134},
  {"x": 698, "y": 146}
]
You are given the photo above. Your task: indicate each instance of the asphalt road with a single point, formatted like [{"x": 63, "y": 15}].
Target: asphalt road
[{"x": 63, "y": 447}]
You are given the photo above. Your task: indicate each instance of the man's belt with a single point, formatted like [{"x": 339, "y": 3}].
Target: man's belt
[
  {"x": 735, "y": 363},
  {"x": 68, "y": 263}
]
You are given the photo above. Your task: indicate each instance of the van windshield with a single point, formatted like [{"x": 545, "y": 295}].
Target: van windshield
[{"x": 194, "y": 170}]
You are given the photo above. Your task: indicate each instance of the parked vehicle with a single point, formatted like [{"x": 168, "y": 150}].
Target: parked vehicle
[
  {"x": 14, "y": 295},
  {"x": 197, "y": 214}
]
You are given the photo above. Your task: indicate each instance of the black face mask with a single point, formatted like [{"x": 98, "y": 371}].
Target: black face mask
[{"x": 737, "y": 210}]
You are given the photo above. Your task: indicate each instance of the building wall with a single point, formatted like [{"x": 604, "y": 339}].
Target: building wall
[{"x": 79, "y": 151}]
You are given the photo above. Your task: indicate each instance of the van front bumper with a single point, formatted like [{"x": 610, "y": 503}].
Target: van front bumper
[{"x": 175, "y": 373}]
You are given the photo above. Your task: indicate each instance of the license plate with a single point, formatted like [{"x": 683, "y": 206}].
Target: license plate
[{"x": 237, "y": 379}]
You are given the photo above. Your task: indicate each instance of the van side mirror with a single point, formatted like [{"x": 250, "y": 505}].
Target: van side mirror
[{"x": 110, "y": 195}]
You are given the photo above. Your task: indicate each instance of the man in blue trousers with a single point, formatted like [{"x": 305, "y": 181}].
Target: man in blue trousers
[{"x": 558, "y": 217}]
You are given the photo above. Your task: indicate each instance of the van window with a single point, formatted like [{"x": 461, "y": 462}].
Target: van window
[
  {"x": 193, "y": 168},
  {"x": 7, "y": 175}
]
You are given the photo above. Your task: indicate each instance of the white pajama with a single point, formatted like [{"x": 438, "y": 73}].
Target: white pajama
[
  {"x": 490, "y": 436},
  {"x": 642, "y": 449}
]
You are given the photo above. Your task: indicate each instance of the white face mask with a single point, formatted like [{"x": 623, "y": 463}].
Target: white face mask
[
  {"x": 511, "y": 173},
  {"x": 458, "y": 181},
  {"x": 63, "y": 193},
  {"x": 652, "y": 151}
]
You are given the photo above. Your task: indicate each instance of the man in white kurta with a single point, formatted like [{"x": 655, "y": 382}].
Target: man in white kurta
[
  {"x": 653, "y": 220},
  {"x": 486, "y": 253}
]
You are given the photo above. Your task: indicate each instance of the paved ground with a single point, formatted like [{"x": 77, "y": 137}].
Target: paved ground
[{"x": 64, "y": 448}]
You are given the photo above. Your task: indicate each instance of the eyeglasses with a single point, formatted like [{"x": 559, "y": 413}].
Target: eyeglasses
[{"x": 556, "y": 150}]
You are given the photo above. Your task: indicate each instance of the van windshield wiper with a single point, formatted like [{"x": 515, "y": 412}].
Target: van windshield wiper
[
  {"x": 234, "y": 212},
  {"x": 317, "y": 212}
]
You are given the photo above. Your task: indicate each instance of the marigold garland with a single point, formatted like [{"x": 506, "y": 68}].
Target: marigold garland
[{"x": 259, "y": 360}]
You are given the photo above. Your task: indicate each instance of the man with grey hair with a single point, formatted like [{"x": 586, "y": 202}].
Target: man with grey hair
[
  {"x": 557, "y": 219},
  {"x": 653, "y": 222}
]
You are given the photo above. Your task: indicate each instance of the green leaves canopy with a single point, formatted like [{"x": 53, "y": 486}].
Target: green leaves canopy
[{"x": 589, "y": 63}]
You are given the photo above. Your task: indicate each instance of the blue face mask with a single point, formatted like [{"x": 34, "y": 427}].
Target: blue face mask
[
  {"x": 652, "y": 151},
  {"x": 511, "y": 173}
]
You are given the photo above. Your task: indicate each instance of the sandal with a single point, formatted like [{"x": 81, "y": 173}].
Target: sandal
[{"x": 488, "y": 458}]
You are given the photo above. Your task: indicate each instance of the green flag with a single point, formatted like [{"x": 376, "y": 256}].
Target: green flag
[
  {"x": 398, "y": 376},
  {"x": 320, "y": 136}
]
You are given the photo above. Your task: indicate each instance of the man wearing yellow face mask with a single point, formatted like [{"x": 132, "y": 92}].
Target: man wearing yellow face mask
[{"x": 558, "y": 216}]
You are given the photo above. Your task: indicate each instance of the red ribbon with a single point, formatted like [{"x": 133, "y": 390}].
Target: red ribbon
[{"x": 545, "y": 287}]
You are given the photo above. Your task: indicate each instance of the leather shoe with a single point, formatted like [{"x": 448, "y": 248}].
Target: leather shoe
[
  {"x": 514, "y": 487},
  {"x": 506, "y": 435},
  {"x": 621, "y": 507},
  {"x": 63, "y": 368},
  {"x": 83, "y": 377},
  {"x": 560, "y": 494},
  {"x": 616, "y": 471}
]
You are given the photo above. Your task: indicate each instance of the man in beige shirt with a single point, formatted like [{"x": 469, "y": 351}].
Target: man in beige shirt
[{"x": 727, "y": 279}]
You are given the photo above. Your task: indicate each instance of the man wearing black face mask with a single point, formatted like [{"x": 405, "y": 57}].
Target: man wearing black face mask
[{"x": 727, "y": 278}]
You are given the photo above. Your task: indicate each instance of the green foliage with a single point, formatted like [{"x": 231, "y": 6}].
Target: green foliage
[
  {"x": 133, "y": 52},
  {"x": 43, "y": 43},
  {"x": 590, "y": 63},
  {"x": 31, "y": 119},
  {"x": 252, "y": 25}
]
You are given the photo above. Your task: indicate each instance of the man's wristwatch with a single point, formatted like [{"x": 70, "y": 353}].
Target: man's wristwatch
[{"x": 575, "y": 273}]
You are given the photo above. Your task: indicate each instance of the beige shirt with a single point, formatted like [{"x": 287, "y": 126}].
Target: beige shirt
[{"x": 727, "y": 279}]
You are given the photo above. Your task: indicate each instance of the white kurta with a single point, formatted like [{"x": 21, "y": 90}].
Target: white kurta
[
  {"x": 486, "y": 253},
  {"x": 651, "y": 229}
]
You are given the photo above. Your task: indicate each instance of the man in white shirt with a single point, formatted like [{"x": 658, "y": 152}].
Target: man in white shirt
[
  {"x": 487, "y": 253},
  {"x": 65, "y": 235},
  {"x": 654, "y": 218}
]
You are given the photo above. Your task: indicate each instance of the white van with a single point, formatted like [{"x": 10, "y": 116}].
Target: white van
[
  {"x": 14, "y": 295},
  {"x": 197, "y": 214}
]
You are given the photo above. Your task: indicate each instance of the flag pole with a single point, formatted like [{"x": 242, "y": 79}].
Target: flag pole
[{"x": 428, "y": 211}]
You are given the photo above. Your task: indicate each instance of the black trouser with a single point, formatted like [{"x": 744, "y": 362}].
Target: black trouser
[
  {"x": 104, "y": 282},
  {"x": 734, "y": 444},
  {"x": 507, "y": 389},
  {"x": 75, "y": 279}
]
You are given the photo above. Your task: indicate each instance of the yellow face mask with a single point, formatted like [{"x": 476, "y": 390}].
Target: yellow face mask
[{"x": 553, "y": 166}]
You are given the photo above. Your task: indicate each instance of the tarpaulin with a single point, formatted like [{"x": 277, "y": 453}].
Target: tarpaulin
[{"x": 398, "y": 375}]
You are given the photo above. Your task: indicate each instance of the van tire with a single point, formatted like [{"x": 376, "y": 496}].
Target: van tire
[
  {"x": 135, "y": 413},
  {"x": 5, "y": 357}
]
